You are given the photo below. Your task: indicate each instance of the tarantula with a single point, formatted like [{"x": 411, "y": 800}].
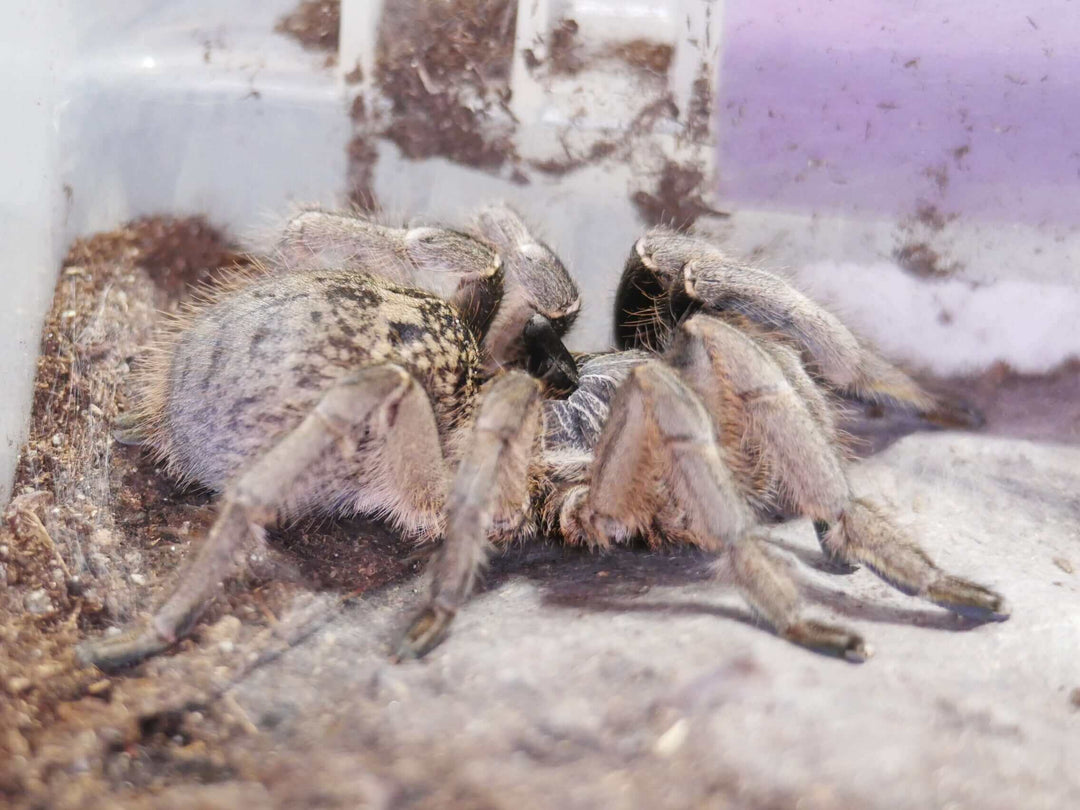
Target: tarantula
[
  {"x": 713, "y": 416},
  {"x": 351, "y": 390}
]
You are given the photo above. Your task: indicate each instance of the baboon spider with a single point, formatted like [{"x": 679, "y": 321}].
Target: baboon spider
[
  {"x": 713, "y": 416},
  {"x": 341, "y": 383}
]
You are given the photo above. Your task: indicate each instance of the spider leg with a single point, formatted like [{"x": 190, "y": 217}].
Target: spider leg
[
  {"x": 806, "y": 473},
  {"x": 319, "y": 239},
  {"x": 863, "y": 534},
  {"x": 778, "y": 440},
  {"x": 128, "y": 428},
  {"x": 490, "y": 490},
  {"x": 658, "y": 469},
  {"x": 451, "y": 264},
  {"x": 813, "y": 397},
  {"x": 775, "y": 597},
  {"x": 380, "y": 405},
  {"x": 842, "y": 361}
]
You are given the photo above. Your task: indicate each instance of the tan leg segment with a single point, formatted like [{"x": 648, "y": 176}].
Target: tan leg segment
[
  {"x": 848, "y": 366},
  {"x": 812, "y": 396},
  {"x": 490, "y": 491},
  {"x": 863, "y": 534},
  {"x": 314, "y": 240},
  {"x": 774, "y": 596},
  {"x": 658, "y": 455},
  {"x": 448, "y": 263},
  {"x": 779, "y": 441},
  {"x": 718, "y": 360},
  {"x": 772, "y": 436},
  {"x": 377, "y": 400},
  {"x": 660, "y": 428}
]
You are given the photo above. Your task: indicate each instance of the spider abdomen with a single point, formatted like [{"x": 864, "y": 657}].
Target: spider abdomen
[{"x": 247, "y": 367}]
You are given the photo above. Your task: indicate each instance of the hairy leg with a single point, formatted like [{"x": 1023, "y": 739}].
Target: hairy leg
[
  {"x": 782, "y": 435},
  {"x": 382, "y": 401},
  {"x": 780, "y": 454},
  {"x": 821, "y": 407},
  {"x": 446, "y": 262},
  {"x": 658, "y": 456},
  {"x": 490, "y": 491},
  {"x": 774, "y": 596},
  {"x": 318, "y": 239},
  {"x": 863, "y": 534},
  {"x": 846, "y": 364}
]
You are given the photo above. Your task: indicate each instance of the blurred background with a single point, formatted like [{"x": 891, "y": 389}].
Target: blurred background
[{"x": 911, "y": 164}]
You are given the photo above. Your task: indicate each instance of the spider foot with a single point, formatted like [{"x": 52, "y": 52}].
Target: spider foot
[
  {"x": 948, "y": 413},
  {"x": 834, "y": 563},
  {"x": 838, "y": 566},
  {"x": 829, "y": 640},
  {"x": 968, "y": 599},
  {"x": 128, "y": 648},
  {"x": 425, "y": 633},
  {"x": 129, "y": 428}
]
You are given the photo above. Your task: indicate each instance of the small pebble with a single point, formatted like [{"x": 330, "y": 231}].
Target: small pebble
[
  {"x": 48, "y": 670},
  {"x": 38, "y": 602},
  {"x": 672, "y": 740},
  {"x": 103, "y": 537},
  {"x": 57, "y": 440},
  {"x": 17, "y": 686},
  {"x": 137, "y": 579},
  {"x": 224, "y": 631},
  {"x": 17, "y": 746},
  {"x": 1064, "y": 564}
]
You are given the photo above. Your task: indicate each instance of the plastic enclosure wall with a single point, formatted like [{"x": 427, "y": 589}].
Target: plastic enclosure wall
[
  {"x": 114, "y": 111},
  {"x": 849, "y": 137}
]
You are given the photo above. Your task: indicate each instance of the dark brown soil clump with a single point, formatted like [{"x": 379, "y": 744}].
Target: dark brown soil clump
[
  {"x": 564, "y": 51},
  {"x": 921, "y": 260},
  {"x": 445, "y": 67},
  {"x": 652, "y": 57},
  {"x": 315, "y": 24},
  {"x": 677, "y": 200}
]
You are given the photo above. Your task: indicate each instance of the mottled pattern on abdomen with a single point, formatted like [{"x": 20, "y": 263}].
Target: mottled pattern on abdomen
[{"x": 250, "y": 366}]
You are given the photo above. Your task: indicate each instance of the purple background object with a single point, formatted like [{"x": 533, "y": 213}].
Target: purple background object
[{"x": 879, "y": 108}]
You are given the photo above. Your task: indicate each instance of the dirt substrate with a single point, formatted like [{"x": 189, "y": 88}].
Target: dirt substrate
[
  {"x": 94, "y": 532},
  {"x": 629, "y": 680}
]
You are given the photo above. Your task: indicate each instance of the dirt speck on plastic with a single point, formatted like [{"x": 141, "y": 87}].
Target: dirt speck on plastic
[
  {"x": 315, "y": 24},
  {"x": 677, "y": 199},
  {"x": 445, "y": 68},
  {"x": 923, "y": 261}
]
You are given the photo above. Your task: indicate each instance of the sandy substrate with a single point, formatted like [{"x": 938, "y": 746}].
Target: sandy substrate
[{"x": 627, "y": 680}]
